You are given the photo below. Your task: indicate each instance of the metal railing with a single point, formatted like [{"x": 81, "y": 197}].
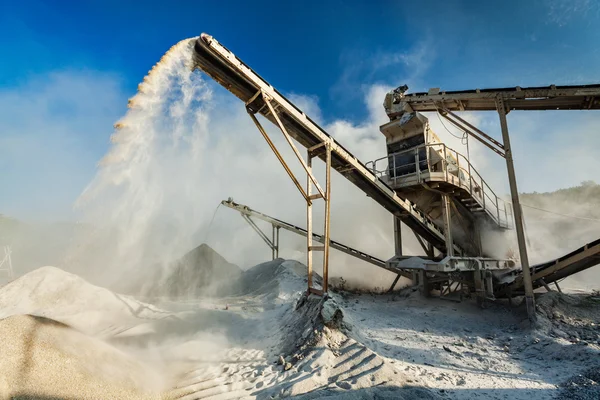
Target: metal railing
[{"x": 435, "y": 162}]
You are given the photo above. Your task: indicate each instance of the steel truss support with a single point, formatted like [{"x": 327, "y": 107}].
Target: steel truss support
[
  {"x": 455, "y": 284},
  {"x": 479, "y": 282},
  {"x": 397, "y": 235},
  {"x": 311, "y": 181},
  {"x": 427, "y": 247},
  {"x": 545, "y": 285},
  {"x": 397, "y": 246},
  {"x": 447, "y": 215},
  {"x": 514, "y": 192},
  {"x": 273, "y": 243},
  {"x": 312, "y": 152},
  {"x": 275, "y": 235},
  {"x": 475, "y": 132},
  {"x": 557, "y": 287},
  {"x": 504, "y": 150}
]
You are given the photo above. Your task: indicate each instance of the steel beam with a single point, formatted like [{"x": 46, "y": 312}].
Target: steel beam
[
  {"x": 557, "y": 287},
  {"x": 309, "y": 227},
  {"x": 278, "y": 154},
  {"x": 327, "y": 227},
  {"x": 447, "y": 213},
  {"x": 397, "y": 235},
  {"x": 275, "y": 233},
  {"x": 397, "y": 246},
  {"x": 394, "y": 283},
  {"x": 476, "y": 133},
  {"x": 518, "y": 214},
  {"x": 274, "y": 246},
  {"x": 288, "y": 138},
  {"x": 425, "y": 245},
  {"x": 583, "y": 97},
  {"x": 310, "y": 181}
]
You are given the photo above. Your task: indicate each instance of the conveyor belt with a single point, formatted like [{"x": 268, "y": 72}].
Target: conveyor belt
[
  {"x": 245, "y": 210},
  {"x": 583, "y": 97},
  {"x": 224, "y": 67},
  {"x": 576, "y": 261}
]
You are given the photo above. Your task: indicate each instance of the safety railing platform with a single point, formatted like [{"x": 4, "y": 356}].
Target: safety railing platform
[{"x": 437, "y": 163}]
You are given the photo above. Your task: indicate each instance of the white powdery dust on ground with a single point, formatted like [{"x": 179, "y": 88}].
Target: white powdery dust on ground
[
  {"x": 255, "y": 340},
  {"x": 463, "y": 351}
]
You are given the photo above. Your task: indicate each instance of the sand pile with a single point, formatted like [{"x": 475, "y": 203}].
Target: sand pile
[
  {"x": 323, "y": 362},
  {"x": 291, "y": 345},
  {"x": 191, "y": 275},
  {"x": 45, "y": 359},
  {"x": 65, "y": 297},
  {"x": 262, "y": 337}
]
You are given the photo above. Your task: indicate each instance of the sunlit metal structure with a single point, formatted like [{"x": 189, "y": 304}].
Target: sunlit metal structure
[
  {"x": 401, "y": 106},
  {"x": 276, "y": 224},
  {"x": 432, "y": 189}
]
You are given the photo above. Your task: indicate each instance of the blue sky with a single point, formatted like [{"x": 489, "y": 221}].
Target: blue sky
[
  {"x": 67, "y": 67},
  {"x": 324, "y": 48}
]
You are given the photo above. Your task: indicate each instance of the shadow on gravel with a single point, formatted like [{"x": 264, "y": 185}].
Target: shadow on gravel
[{"x": 421, "y": 393}]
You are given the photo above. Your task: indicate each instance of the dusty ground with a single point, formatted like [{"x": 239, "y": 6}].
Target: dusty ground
[
  {"x": 465, "y": 352},
  {"x": 261, "y": 338}
]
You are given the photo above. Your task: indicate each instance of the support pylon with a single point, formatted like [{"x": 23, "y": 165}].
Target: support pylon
[{"x": 314, "y": 151}]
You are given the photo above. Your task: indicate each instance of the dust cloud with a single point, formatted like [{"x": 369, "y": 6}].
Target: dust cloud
[{"x": 186, "y": 144}]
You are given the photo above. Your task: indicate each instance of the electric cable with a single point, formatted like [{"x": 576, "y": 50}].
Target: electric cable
[{"x": 562, "y": 215}]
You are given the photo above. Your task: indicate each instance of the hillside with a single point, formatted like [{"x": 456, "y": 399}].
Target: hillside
[{"x": 582, "y": 200}]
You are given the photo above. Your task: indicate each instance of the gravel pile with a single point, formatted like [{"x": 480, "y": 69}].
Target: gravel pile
[
  {"x": 585, "y": 386},
  {"x": 43, "y": 358}
]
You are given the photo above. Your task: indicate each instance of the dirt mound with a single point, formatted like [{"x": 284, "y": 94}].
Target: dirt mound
[
  {"x": 572, "y": 317},
  {"x": 192, "y": 274},
  {"x": 53, "y": 293},
  {"x": 339, "y": 367},
  {"x": 43, "y": 358}
]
